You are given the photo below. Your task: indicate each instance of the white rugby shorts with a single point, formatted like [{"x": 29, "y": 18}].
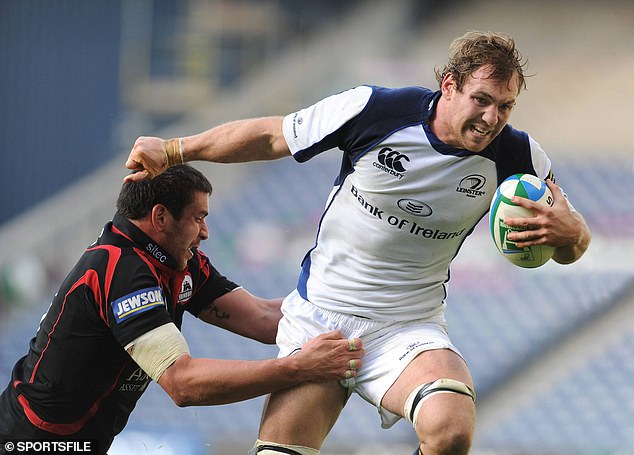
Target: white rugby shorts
[{"x": 390, "y": 346}]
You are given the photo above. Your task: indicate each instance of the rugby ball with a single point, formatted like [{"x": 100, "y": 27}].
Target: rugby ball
[{"x": 530, "y": 187}]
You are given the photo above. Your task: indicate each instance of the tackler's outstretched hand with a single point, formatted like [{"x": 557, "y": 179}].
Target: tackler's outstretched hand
[
  {"x": 150, "y": 156},
  {"x": 330, "y": 356},
  {"x": 558, "y": 225}
]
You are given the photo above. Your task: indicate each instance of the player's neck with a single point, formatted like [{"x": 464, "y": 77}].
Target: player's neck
[{"x": 438, "y": 122}]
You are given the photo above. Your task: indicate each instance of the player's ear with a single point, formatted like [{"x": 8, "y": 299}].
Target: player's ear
[
  {"x": 160, "y": 216},
  {"x": 448, "y": 85}
]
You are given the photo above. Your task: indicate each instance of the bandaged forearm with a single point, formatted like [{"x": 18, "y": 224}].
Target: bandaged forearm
[
  {"x": 155, "y": 351},
  {"x": 174, "y": 151}
]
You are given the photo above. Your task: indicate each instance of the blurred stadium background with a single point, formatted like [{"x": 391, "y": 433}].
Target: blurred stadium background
[{"x": 551, "y": 349}]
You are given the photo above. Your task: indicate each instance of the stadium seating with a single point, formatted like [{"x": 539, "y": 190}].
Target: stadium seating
[
  {"x": 589, "y": 411},
  {"x": 499, "y": 331}
]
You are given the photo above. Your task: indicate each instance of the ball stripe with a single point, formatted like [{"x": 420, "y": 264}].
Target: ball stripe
[{"x": 532, "y": 192}]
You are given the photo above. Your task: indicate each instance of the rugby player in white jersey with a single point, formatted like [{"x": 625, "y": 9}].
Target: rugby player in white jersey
[{"x": 419, "y": 170}]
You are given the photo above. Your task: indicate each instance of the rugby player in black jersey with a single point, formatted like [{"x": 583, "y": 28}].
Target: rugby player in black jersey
[{"x": 114, "y": 325}]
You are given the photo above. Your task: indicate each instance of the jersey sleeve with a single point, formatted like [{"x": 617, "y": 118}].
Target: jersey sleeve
[
  {"x": 543, "y": 167},
  {"x": 515, "y": 151},
  {"x": 135, "y": 303},
  {"x": 354, "y": 121},
  {"x": 540, "y": 160},
  {"x": 209, "y": 285},
  {"x": 313, "y": 130}
]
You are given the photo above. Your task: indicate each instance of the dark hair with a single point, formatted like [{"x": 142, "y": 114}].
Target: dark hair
[
  {"x": 174, "y": 188},
  {"x": 475, "y": 49}
]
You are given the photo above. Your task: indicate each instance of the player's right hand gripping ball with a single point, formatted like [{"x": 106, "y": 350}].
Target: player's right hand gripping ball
[{"x": 529, "y": 187}]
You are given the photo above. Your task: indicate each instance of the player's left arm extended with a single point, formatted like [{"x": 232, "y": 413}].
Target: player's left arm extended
[{"x": 560, "y": 226}]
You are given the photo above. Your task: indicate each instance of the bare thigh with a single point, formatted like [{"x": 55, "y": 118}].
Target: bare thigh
[
  {"x": 440, "y": 409},
  {"x": 302, "y": 415}
]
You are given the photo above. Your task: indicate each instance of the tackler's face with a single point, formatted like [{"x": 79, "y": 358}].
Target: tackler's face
[
  {"x": 186, "y": 233},
  {"x": 479, "y": 111}
]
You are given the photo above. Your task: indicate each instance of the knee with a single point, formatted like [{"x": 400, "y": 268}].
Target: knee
[
  {"x": 443, "y": 415},
  {"x": 446, "y": 435},
  {"x": 448, "y": 441}
]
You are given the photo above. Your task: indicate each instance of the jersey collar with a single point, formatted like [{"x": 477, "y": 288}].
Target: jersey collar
[{"x": 151, "y": 248}]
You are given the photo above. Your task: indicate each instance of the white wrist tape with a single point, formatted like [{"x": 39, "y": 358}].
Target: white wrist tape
[{"x": 155, "y": 351}]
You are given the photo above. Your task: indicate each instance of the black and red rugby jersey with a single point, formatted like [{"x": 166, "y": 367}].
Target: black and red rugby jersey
[{"x": 77, "y": 381}]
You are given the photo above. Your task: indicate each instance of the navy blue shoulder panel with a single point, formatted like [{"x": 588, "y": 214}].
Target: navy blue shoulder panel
[
  {"x": 388, "y": 110},
  {"x": 511, "y": 152}
]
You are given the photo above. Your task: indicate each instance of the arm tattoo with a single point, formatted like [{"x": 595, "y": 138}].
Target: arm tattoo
[{"x": 213, "y": 310}]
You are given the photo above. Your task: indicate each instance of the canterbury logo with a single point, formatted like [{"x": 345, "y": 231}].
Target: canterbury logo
[{"x": 391, "y": 161}]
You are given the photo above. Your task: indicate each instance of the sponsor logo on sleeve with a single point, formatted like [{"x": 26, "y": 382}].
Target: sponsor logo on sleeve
[
  {"x": 297, "y": 120},
  {"x": 136, "y": 303}
]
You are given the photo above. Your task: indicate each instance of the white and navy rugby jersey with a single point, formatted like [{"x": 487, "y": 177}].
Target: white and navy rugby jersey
[{"x": 403, "y": 202}]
